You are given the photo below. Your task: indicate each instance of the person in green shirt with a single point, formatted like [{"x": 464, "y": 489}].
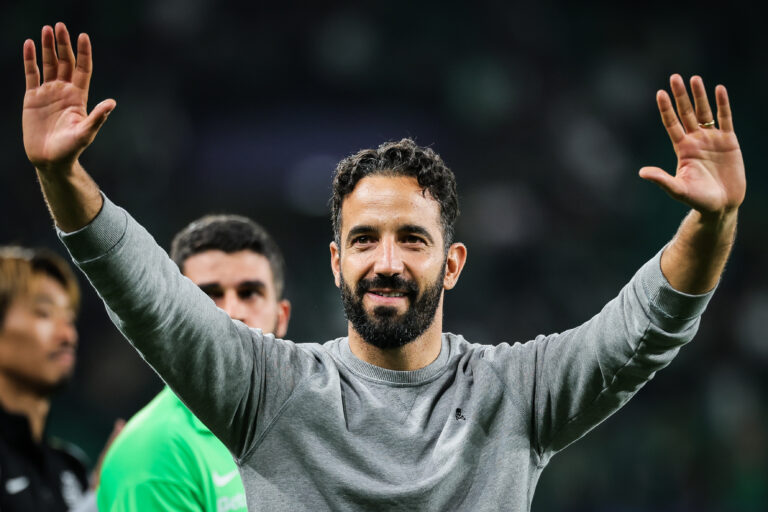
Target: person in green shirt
[{"x": 165, "y": 458}]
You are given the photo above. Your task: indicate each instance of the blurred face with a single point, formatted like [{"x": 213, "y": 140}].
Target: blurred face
[
  {"x": 241, "y": 284},
  {"x": 38, "y": 337},
  {"x": 391, "y": 266}
]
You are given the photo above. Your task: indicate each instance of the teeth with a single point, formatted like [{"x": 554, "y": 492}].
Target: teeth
[{"x": 390, "y": 294}]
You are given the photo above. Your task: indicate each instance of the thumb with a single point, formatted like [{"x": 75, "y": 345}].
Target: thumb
[
  {"x": 662, "y": 178},
  {"x": 96, "y": 118}
]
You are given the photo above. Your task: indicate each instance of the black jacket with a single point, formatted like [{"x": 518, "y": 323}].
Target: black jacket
[{"x": 44, "y": 477}]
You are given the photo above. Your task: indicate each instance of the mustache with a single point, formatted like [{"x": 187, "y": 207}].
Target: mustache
[{"x": 381, "y": 281}]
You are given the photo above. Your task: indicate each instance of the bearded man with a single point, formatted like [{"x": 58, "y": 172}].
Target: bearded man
[{"x": 397, "y": 415}]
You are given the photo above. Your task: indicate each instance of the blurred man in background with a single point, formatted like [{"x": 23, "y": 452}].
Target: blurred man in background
[
  {"x": 166, "y": 459},
  {"x": 39, "y": 299}
]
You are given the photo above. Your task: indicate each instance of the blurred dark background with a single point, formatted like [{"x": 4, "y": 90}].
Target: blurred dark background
[{"x": 544, "y": 111}]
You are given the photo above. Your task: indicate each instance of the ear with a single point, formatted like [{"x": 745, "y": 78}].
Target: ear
[
  {"x": 283, "y": 316},
  {"x": 454, "y": 264},
  {"x": 336, "y": 264}
]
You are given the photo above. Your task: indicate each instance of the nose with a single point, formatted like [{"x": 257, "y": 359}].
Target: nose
[
  {"x": 233, "y": 305},
  {"x": 389, "y": 260},
  {"x": 67, "y": 331}
]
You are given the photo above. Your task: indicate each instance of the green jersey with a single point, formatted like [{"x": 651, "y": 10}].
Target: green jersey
[{"x": 166, "y": 459}]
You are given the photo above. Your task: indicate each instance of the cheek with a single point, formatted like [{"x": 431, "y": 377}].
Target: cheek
[
  {"x": 426, "y": 267},
  {"x": 43, "y": 331},
  {"x": 36, "y": 333},
  {"x": 21, "y": 348},
  {"x": 24, "y": 340},
  {"x": 356, "y": 265},
  {"x": 263, "y": 317}
]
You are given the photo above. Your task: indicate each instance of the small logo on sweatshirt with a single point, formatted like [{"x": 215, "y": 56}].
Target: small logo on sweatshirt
[{"x": 460, "y": 416}]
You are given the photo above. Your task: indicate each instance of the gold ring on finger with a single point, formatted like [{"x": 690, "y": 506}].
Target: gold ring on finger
[{"x": 708, "y": 124}]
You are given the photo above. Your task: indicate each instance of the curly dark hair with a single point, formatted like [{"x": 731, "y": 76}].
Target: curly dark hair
[
  {"x": 229, "y": 233},
  {"x": 403, "y": 158}
]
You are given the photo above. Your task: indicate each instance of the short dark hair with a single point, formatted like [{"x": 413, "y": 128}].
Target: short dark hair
[
  {"x": 404, "y": 158},
  {"x": 229, "y": 233},
  {"x": 19, "y": 264}
]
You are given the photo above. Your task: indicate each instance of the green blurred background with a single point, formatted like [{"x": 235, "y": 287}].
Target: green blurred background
[{"x": 544, "y": 111}]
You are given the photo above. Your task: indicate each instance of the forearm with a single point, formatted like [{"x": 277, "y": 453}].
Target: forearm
[
  {"x": 205, "y": 357},
  {"x": 585, "y": 374},
  {"x": 696, "y": 256},
  {"x": 72, "y": 196}
]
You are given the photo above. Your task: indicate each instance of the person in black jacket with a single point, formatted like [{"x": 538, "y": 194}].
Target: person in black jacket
[{"x": 39, "y": 298}]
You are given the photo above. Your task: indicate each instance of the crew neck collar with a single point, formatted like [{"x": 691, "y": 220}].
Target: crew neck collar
[{"x": 377, "y": 373}]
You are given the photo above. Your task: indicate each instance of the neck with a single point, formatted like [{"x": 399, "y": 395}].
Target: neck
[
  {"x": 412, "y": 356},
  {"x": 19, "y": 399}
]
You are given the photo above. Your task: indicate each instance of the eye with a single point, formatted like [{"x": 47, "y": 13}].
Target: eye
[
  {"x": 43, "y": 313},
  {"x": 362, "y": 240},
  {"x": 248, "y": 293},
  {"x": 214, "y": 294},
  {"x": 413, "y": 239}
]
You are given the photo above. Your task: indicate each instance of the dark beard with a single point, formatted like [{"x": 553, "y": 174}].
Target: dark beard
[{"x": 384, "y": 328}]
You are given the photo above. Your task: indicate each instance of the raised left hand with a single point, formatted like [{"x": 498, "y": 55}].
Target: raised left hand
[{"x": 710, "y": 169}]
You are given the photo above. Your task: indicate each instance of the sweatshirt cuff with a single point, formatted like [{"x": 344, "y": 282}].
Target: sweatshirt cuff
[
  {"x": 665, "y": 299},
  {"x": 98, "y": 237}
]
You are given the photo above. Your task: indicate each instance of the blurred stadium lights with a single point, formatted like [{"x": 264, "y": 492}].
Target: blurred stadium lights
[
  {"x": 501, "y": 215},
  {"x": 308, "y": 184}
]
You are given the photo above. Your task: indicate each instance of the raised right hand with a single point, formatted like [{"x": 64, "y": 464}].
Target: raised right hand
[{"x": 55, "y": 122}]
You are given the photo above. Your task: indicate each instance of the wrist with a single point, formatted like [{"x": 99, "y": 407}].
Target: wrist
[
  {"x": 707, "y": 233},
  {"x": 73, "y": 197},
  {"x": 716, "y": 221},
  {"x": 59, "y": 172}
]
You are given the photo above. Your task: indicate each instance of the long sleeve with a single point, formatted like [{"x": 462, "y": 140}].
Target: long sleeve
[
  {"x": 574, "y": 380},
  {"x": 216, "y": 365}
]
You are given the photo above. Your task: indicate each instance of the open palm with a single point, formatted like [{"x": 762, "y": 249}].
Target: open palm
[
  {"x": 55, "y": 122},
  {"x": 710, "y": 174}
]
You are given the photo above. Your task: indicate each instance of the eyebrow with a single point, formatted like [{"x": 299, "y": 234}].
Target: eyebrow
[
  {"x": 256, "y": 284},
  {"x": 43, "y": 299},
  {"x": 417, "y": 230},
  {"x": 360, "y": 230},
  {"x": 407, "y": 228}
]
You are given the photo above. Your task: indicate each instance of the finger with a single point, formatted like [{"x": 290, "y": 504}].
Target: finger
[
  {"x": 699, "y": 92},
  {"x": 669, "y": 118},
  {"x": 660, "y": 177},
  {"x": 683, "y": 102},
  {"x": 724, "y": 118},
  {"x": 82, "y": 75},
  {"x": 64, "y": 49},
  {"x": 50, "y": 62},
  {"x": 31, "y": 71},
  {"x": 96, "y": 119}
]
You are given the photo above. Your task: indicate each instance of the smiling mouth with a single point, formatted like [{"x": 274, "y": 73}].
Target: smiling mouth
[
  {"x": 388, "y": 298},
  {"x": 387, "y": 293}
]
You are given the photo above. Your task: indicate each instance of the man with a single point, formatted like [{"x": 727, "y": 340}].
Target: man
[
  {"x": 397, "y": 415},
  {"x": 166, "y": 459},
  {"x": 39, "y": 298}
]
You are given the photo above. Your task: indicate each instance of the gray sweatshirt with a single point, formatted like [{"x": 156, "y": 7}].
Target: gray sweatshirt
[{"x": 314, "y": 428}]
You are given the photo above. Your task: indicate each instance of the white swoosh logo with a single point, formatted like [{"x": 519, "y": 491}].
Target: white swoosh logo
[
  {"x": 16, "y": 485},
  {"x": 222, "y": 480}
]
